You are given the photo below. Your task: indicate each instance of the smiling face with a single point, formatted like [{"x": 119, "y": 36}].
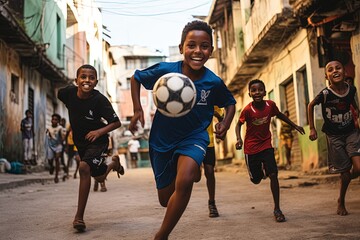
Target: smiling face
[
  {"x": 86, "y": 81},
  {"x": 334, "y": 72},
  {"x": 257, "y": 92},
  {"x": 196, "y": 49}
]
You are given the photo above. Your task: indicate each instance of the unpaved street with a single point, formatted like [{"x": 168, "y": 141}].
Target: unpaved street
[{"x": 130, "y": 210}]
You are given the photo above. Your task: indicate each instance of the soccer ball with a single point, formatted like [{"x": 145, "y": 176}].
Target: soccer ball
[{"x": 174, "y": 94}]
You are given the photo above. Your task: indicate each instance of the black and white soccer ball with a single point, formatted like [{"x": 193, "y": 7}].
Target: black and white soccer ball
[{"x": 174, "y": 94}]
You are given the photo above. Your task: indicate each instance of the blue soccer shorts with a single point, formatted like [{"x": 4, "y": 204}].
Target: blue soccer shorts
[{"x": 164, "y": 164}]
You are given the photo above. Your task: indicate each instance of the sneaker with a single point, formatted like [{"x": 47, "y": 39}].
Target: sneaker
[{"x": 213, "y": 212}]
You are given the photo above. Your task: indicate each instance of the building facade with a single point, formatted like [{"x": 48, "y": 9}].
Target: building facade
[
  {"x": 286, "y": 44},
  {"x": 42, "y": 43}
]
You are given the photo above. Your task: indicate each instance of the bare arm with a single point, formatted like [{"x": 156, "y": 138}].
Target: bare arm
[
  {"x": 354, "y": 104},
  {"x": 138, "y": 111},
  {"x": 313, "y": 133},
  {"x": 239, "y": 142},
  {"x": 222, "y": 126},
  {"x": 284, "y": 118},
  {"x": 93, "y": 135}
]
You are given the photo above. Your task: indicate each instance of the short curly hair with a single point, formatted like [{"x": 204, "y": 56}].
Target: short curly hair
[
  {"x": 196, "y": 25},
  {"x": 86, "y": 66}
]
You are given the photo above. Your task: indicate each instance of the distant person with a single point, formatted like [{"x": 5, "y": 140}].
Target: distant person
[
  {"x": 133, "y": 146},
  {"x": 63, "y": 161},
  {"x": 87, "y": 109},
  {"x": 209, "y": 164},
  {"x": 27, "y": 134},
  {"x": 287, "y": 138},
  {"x": 343, "y": 138},
  {"x": 54, "y": 146},
  {"x": 259, "y": 153},
  {"x": 69, "y": 148},
  {"x": 177, "y": 146}
]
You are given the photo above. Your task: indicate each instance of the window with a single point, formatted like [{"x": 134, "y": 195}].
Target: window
[
  {"x": 14, "y": 90},
  {"x": 303, "y": 92},
  {"x": 58, "y": 36},
  {"x": 130, "y": 64}
]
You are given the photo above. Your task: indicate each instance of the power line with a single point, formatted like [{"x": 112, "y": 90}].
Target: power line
[{"x": 132, "y": 14}]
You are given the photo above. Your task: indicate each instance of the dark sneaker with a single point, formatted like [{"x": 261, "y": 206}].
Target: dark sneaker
[{"x": 213, "y": 212}]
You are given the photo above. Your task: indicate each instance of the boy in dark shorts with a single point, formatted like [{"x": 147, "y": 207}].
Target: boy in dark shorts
[
  {"x": 259, "y": 153},
  {"x": 343, "y": 137},
  {"x": 177, "y": 146},
  {"x": 87, "y": 110}
]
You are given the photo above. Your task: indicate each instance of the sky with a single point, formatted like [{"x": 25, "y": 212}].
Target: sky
[{"x": 152, "y": 23}]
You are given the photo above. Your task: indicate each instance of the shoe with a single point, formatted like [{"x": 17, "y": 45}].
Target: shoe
[
  {"x": 96, "y": 186},
  {"x": 213, "y": 212},
  {"x": 103, "y": 187},
  {"x": 56, "y": 180},
  {"x": 279, "y": 216},
  {"x": 64, "y": 178},
  {"x": 119, "y": 169},
  {"x": 79, "y": 225}
]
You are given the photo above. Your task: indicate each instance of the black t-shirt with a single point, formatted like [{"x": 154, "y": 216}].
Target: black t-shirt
[
  {"x": 336, "y": 111},
  {"x": 87, "y": 114}
]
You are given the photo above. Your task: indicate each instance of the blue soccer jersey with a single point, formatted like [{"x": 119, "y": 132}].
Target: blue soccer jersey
[{"x": 166, "y": 132}]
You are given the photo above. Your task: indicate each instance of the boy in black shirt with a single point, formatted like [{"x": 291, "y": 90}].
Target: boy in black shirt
[{"x": 87, "y": 110}]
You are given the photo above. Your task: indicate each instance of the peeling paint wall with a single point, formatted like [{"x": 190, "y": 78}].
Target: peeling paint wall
[{"x": 11, "y": 104}]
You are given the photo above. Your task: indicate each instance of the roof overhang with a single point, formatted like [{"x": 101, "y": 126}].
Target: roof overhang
[
  {"x": 275, "y": 34},
  {"x": 31, "y": 53}
]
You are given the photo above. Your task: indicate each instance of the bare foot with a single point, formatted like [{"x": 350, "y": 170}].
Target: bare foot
[{"x": 341, "y": 210}]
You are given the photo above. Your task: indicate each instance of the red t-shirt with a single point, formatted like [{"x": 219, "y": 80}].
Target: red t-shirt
[{"x": 258, "y": 136}]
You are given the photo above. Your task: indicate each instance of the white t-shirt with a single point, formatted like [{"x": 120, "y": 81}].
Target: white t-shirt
[{"x": 133, "y": 146}]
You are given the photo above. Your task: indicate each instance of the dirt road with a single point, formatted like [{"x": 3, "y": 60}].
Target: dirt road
[{"x": 130, "y": 210}]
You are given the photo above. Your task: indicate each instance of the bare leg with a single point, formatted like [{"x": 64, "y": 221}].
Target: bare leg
[
  {"x": 84, "y": 189},
  {"x": 113, "y": 165},
  {"x": 344, "y": 183},
  {"x": 77, "y": 159},
  {"x": 188, "y": 172},
  {"x": 355, "y": 172},
  {"x": 288, "y": 156},
  {"x": 57, "y": 169},
  {"x": 275, "y": 190},
  {"x": 210, "y": 181}
]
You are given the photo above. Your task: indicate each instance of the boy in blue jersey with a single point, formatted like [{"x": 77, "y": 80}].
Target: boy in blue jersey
[{"x": 178, "y": 145}]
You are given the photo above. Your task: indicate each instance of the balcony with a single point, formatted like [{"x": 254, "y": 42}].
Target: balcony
[
  {"x": 273, "y": 36},
  {"x": 32, "y": 54}
]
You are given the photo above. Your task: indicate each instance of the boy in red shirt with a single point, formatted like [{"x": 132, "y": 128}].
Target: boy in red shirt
[{"x": 259, "y": 153}]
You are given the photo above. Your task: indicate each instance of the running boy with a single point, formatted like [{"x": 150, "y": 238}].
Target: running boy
[
  {"x": 259, "y": 153},
  {"x": 343, "y": 138},
  {"x": 209, "y": 165},
  {"x": 87, "y": 108},
  {"x": 54, "y": 146},
  {"x": 178, "y": 145}
]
